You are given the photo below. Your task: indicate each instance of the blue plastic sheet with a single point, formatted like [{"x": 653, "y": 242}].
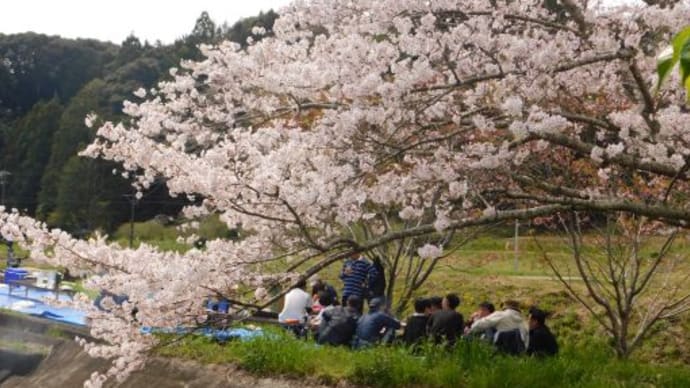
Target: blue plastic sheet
[
  {"x": 217, "y": 334},
  {"x": 31, "y": 302}
]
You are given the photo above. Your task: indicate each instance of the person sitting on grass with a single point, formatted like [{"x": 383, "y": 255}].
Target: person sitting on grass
[
  {"x": 318, "y": 285},
  {"x": 511, "y": 330},
  {"x": 326, "y": 303},
  {"x": 485, "y": 309},
  {"x": 446, "y": 325},
  {"x": 415, "y": 327},
  {"x": 376, "y": 326},
  {"x": 435, "y": 304},
  {"x": 541, "y": 341},
  {"x": 338, "y": 324},
  {"x": 296, "y": 308}
]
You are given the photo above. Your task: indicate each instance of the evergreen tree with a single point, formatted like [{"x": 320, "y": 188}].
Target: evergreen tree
[{"x": 28, "y": 152}]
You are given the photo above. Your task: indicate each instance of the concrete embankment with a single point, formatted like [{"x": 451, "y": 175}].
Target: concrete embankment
[{"x": 40, "y": 353}]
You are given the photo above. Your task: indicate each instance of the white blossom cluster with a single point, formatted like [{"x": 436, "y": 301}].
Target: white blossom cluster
[{"x": 435, "y": 112}]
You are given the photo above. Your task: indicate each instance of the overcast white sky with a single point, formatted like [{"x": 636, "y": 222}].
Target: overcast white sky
[{"x": 115, "y": 20}]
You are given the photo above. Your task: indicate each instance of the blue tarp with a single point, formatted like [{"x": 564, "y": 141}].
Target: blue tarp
[
  {"x": 33, "y": 304},
  {"x": 217, "y": 334}
]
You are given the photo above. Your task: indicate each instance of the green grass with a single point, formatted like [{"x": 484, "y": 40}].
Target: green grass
[
  {"x": 469, "y": 365},
  {"x": 23, "y": 346},
  {"x": 56, "y": 332},
  {"x": 165, "y": 236}
]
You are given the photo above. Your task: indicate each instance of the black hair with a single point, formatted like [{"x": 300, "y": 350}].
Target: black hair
[
  {"x": 301, "y": 284},
  {"x": 488, "y": 306},
  {"x": 355, "y": 302},
  {"x": 436, "y": 301},
  {"x": 421, "y": 304},
  {"x": 453, "y": 301},
  {"x": 538, "y": 315},
  {"x": 317, "y": 287},
  {"x": 325, "y": 298}
]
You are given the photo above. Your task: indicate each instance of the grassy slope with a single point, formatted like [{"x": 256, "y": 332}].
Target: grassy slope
[
  {"x": 471, "y": 365},
  {"x": 483, "y": 270}
]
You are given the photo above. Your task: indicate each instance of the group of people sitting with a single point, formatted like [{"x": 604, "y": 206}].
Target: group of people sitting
[{"x": 435, "y": 320}]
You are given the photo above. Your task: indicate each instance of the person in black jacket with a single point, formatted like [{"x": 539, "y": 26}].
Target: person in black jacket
[
  {"x": 338, "y": 325},
  {"x": 376, "y": 280},
  {"x": 415, "y": 327},
  {"x": 541, "y": 341},
  {"x": 446, "y": 325}
]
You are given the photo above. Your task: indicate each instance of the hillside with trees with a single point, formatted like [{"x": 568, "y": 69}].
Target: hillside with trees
[{"x": 48, "y": 85}]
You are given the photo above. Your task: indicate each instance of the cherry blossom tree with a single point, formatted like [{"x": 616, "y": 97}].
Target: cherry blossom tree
[{"x": 410, "y": 120}]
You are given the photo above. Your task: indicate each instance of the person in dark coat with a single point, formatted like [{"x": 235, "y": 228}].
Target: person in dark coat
[
  {"x": 338, "y": 324},
  {"x": 415, "y": 327},
  {"x": 376, "y": 326},
  {"x": 446, "y": 325},
  {"x": 376, "y": 280},
  {"x": 436, "y": 303},
  {"x": 541, "y": 341}
]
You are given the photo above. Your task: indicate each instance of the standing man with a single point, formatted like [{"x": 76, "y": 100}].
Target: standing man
[
  {"x": 376, "y": 286},
  {"x": 354, "y": 275}
]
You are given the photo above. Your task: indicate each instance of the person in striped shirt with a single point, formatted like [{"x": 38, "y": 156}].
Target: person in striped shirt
[{"x": 355, "y": 273}]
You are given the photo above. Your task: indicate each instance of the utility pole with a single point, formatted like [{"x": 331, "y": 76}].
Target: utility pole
[
  {"x": 133, "y": 203},
  {"x": 517, "y": 231},
  {"x": 4, "y": 174}
]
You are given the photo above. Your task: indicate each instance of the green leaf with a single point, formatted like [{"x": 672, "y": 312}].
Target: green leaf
[
  {"x": 685, "y": 67},
  {"x": 666, "y": 61},
  {"x": 664, "y": 64}
]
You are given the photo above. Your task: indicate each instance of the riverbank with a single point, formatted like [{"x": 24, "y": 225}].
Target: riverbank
[{"x": 51, "y": 358}]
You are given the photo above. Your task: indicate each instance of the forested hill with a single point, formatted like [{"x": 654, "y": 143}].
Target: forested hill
[{"x": 48, "y": 85}]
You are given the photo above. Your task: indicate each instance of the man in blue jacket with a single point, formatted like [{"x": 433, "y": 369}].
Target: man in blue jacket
[{"x": 377, "y": 325}]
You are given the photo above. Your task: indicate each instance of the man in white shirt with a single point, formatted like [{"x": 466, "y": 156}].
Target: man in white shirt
[
  {"x": 509, "y": 325},
  {"x": 297, "y": 305}
]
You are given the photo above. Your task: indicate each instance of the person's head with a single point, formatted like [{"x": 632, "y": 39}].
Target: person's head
[
  {"x": 301, "y": 284},
  {"x": 451, "y": 302},
  {"x": 317, "y": 286},
  {"x": 436, "y": 303},
  {"x": 422, "y": 306},
  {"x": 537, "y": 317},
  {"x": 314, "y": 280},
  {"x": 376, "y": 304},
  {"x": 512, "y": 305},
  {"x": 355, "y": 302},
  {"x": 325, "y": 298},
  {"x": 486, "y": 308}
]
